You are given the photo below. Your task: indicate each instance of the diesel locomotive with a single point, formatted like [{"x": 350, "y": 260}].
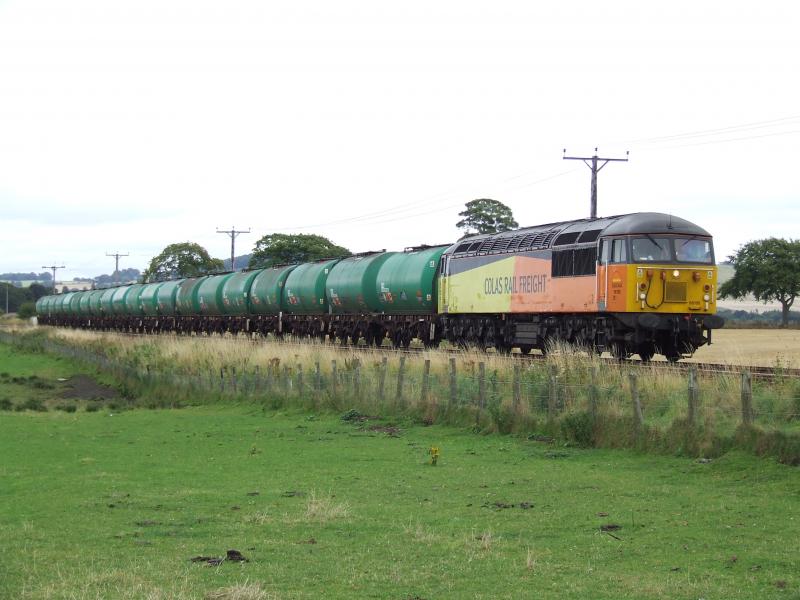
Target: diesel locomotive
[{"x": 641, "y": 283}]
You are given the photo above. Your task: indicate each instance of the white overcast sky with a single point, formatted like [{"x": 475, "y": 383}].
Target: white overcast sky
[{"x": 127, "y": 126}]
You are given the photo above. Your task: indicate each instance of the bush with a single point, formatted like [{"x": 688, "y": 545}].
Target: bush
[
  {"x": 6, "y": 404},
  {"x": 70, "y": 408},
  {"x": 578, "y": 428},
  {"x": 26, "y": 310}
]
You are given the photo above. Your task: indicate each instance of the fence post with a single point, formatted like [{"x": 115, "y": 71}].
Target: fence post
[
  {"x": 268, "y": 379},
  {"x": 552, "y": 398},
  {"x": 382, "y": 379},
  {"x": 693, "y": 395},
  {"x": 638, "y": 419},
  {"x": 334, "y": 378},
  {"x": 287, "y": 380},
  {"x": 299, "y": 379},
  {"x": 517, "y": 386},
  {"x": 426, "y": 374},
  {"x": 317, "y": 380},
  {"x": 233, "y": 380},
  {"x": 357, "y": 378},
  {"x": 221, "y": 380},
  {"x": 482, "y": 385},
  {"x": 593, "y": 391},
  {"x": 747, "y": 398},
  {"x": 453, "y": 382},
  {"x": 401, "y": 371}
]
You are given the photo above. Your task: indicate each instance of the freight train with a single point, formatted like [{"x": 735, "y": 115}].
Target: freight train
[{"x": 641, "y": 283}]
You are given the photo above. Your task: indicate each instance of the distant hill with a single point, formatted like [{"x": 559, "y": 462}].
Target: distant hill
[
  {"x": 242, "y": 262},
  {"x": 26, "y": 277}
]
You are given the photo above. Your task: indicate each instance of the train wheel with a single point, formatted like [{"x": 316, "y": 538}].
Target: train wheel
[{"x": 646, "y": 352}]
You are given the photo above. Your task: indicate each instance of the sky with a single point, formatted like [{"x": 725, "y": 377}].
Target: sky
[{"x": 126, "y": 126}]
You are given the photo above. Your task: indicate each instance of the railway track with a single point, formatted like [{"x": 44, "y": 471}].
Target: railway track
[{"x": 708, "y": 369}]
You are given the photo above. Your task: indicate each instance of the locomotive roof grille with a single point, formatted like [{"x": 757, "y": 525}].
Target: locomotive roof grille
[{"x": 581, "y": 232}]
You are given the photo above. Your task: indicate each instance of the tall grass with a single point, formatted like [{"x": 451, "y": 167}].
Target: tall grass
[{"x": 572, "y": 396}]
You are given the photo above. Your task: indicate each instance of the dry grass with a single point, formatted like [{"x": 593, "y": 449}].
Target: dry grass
[
  {"x": 762, "y": 347},
  {"x": 322, "y": 508},
  {"x": 242, "y": 591}
]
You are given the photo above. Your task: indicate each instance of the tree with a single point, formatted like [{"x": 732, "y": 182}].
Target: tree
[
  {"x": 770, "y": 270},
  {"x": 486, "y": 216},
  {"x": 280, "y": 248},
  {"x": 185, "y": 259}
]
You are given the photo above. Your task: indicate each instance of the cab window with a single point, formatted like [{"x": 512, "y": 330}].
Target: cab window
[
  {"x": 651, "y": 249},
  {"x": 693, "y": 250},
  {"x": 619, "y": 251}
]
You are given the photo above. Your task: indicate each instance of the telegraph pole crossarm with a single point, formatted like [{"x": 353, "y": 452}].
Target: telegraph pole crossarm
[
  {"x": 233, "y": 232},
  {"x": 54, "y": 268},
  {"x": 595, "y": 169},
  {"x": 116, "y": 256}
]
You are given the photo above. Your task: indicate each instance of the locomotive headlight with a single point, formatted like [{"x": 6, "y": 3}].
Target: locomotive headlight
[
  {"x": 676, "y": 273},
  {"x": 706, "y": 297},
  {"x": 642, "y": 296}
]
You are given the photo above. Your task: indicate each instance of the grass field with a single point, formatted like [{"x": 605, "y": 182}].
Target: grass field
[{"x": 112, "y": 504}]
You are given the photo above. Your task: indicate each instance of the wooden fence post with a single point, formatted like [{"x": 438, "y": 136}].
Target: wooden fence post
[
  {"x": 453, "y": 382},
  {"x": 693, "y": 396},
  {"x": 222, "y": 380},
  {"x": 334, "y": 378},
  {"x": 299, "y": 379},
  {"x": 552, "y": 398},
  {"x": 287, "y": 380},
  {"x": 517, "y": 386},
  {"x": 401, "y": 371},
  {"x": 638, "y": 419},
  {"x": 426, "y": 375},
  {"x": 382, "y": 379},
  {"x": 357, "y": 378},
  {"x": 747, "y": 398},
  {"x": 317, "y": 380},
  {"x": 593, "y": 391},
  {"x": 482, "y": 385}
]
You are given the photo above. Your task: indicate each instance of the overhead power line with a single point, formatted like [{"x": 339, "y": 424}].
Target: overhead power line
[{"x": 717, "y": 131}]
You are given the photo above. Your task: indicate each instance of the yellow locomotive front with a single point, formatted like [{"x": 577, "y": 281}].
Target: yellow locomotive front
[{"x": 663, "y": 286}]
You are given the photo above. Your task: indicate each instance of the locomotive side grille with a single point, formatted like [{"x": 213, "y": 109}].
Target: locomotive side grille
[{"x": 675, "y": 291}]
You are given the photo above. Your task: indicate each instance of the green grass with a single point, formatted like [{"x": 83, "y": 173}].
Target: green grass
[
  {"x": 30, "y": 379},
  {"x": 114, "y": 506}
]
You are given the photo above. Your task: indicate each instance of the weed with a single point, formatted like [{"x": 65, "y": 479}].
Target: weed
[
  {"x": 323, "y": 508},
  {"x": 31, "y": 404}
]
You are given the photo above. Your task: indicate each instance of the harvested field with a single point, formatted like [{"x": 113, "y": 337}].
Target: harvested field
[{"x": 758, "y": 347}]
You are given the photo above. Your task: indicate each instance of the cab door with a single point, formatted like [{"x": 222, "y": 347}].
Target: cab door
[{"x": 601, "y": 283}]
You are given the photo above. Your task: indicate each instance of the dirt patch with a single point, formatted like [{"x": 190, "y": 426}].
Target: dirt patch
[
  {"x": 214, "y": 561},
  {"x": 83, "y": 387},
  {"x": 387, "y": 429},
  {"x": 502, "y": 505}
]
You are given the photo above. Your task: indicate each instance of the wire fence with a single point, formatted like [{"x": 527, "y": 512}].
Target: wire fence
[{"x": 517, "y": 397}]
